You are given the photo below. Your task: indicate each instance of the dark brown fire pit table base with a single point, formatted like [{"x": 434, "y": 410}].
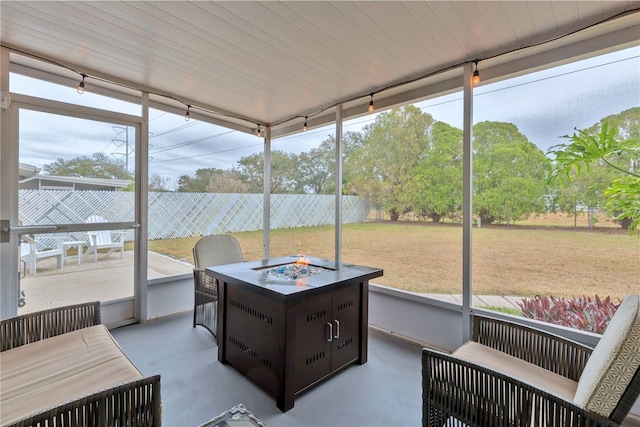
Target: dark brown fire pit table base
[{"x": 286, "y": 335}]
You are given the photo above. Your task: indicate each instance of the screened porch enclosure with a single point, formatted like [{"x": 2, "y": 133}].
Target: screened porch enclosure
[
  {"x": 564, "y": 36},
  {"x": 353, "y": 131}
]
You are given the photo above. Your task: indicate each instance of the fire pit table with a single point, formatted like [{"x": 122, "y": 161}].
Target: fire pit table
[{"x": 288, "y": 323}]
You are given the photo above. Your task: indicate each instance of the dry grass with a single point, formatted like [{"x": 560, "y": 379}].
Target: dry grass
[
  {"x": 581, "y": 220},
  {"x": 427, "y": 258}
]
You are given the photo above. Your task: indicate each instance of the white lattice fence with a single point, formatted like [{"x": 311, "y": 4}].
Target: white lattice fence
[
  {"x": 43, "y": 207},
  {"x": 173, "y": 215}
]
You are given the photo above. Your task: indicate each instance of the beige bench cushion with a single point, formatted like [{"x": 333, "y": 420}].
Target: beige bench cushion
[
  {"x": 512, "y": 366},
  {"x": 47, "y": 373},
  {"x": 613, "y": 362}
]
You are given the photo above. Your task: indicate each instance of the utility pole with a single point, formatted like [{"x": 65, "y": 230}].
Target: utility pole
[{"x": 121, "y": 140}]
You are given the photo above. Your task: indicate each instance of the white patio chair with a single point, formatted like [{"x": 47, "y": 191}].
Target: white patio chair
[
  {"x": 103, "y": 239},
  {"x": 208, "y": 252},
  {"x": 30, "y": 255}
]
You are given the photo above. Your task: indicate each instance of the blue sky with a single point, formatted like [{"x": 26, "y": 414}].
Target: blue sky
[{"x": 543, "y": 105}]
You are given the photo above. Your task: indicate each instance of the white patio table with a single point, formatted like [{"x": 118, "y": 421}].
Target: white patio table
[{"x": 69, "y": 244}]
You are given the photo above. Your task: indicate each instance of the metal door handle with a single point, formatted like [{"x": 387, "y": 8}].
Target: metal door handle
[
  {"x": 337, "y": 335},
  {"x": 330, "y": 338}
]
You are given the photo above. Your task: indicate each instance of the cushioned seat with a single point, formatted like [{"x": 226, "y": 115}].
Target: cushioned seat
[
  {"x": 46, "y": 373},
  {"x": 517, "y": 368},
  {"x": 514, "y": 374}
]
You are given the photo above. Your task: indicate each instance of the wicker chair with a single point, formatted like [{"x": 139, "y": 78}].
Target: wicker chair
[
  {"x": 210, "y": 251},
  {"x": 514, "y": 375},
  {"x": 133, "y": 403}
]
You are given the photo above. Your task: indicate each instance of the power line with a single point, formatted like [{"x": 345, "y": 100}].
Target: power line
[
  {"x": 193, "y": 141},
  {"x": 176, "y": 129},
  {"x": 207, "y": 154},
  {"x": 533, "y": 81},
  {"x": 561, "y": 74},
  {"x": 159, "y": 115}
]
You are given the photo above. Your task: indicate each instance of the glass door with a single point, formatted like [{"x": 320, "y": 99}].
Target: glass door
[{"x": 76, "y": 208}]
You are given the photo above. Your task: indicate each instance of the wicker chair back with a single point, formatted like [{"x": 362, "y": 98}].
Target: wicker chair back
[
  {"x": 207, "y": 252},
  {"x": 216, "y": 250}
]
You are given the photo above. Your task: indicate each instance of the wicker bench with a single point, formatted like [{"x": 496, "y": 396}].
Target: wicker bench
[
  {"x": 62, "y": 367},
  {"x": 510, "y": 374}
]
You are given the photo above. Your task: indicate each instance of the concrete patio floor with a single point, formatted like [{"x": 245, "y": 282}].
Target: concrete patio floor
[
  {"x": 480, "y": 300},
  {"x": 108, "y": 279}
]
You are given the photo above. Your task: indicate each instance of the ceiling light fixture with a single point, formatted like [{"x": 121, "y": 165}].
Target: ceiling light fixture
[
  {"x": 371, "y": 103},
  {"x": 304, "y": 127},
  {"x": 476, "y": 74},
  {"x": 187, "y": 115},
  {"x": 81, "y": 85},
  {"x": 259, "y": 131}
]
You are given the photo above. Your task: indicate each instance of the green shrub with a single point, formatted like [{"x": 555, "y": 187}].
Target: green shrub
[{"x": 584, "y": 313}]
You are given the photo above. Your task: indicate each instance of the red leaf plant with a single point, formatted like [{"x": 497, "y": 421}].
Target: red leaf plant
[{"x": 584, "y": 313}]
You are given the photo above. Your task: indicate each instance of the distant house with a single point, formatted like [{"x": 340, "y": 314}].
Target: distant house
[{"x": 31, "y": 179}]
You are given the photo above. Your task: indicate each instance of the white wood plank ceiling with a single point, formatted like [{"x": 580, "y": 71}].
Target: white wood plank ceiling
[{"x": 269, "y": 62}]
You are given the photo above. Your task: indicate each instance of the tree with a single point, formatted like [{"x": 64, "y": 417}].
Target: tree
[
  {"x": 604, "y": 148},
  {"x": 351, "y": 143},
  {"x": 317, "y": 168},
  {"x": 98, "y": 165},
  {"x": 508, "y": 173},
  {"x": 381, "y": 169},
  {"x": 185, "y": 184},
  {"x": 213, "y": 180},
  {"x": 251, "y": 171},
  {"x": 583, "y": 191},
  {"x": 587, "y": 190},
  {"x": 437, "y": 183},
  {"x": 158, "y": 182},
  {"x": 227, "y": 182},
  {"x": 627, "y": 124},
  {"x": 285, "y": 173},
  {"x": 200, "y": 182}
]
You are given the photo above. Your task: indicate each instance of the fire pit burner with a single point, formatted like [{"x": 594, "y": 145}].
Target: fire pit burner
[{"x": 297, "y": 270}]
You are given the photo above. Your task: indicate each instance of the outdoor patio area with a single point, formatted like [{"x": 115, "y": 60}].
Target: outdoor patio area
[
  {"x": 385, "y": 391},
  {"x": 110, "y": 278},
  {"x": 435, "y": 205}
]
